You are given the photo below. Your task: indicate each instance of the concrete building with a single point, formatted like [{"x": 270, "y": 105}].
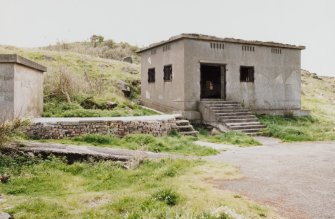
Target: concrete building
[
  {"x": 177, "y": 74},
  {"x": 21, "y": 87}
]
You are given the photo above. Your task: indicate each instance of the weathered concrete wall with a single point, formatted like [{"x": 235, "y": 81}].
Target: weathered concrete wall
[
  {"x": 57, "y": 128},
  {"x": 6, "y": 91},
  {"x": 164, "y": 96},
  {"x": 28, "y": 92},
  {"x": 277, "y": 83},
  {"x": 277, "y": 76},
  {"x": 21, "y": 87}
]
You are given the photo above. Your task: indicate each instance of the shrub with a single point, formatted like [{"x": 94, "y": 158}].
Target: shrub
[
  {"x": 8, "y": 130},
  {"x": 63, "y": 84},
  {"x": 168, "y": 196}
]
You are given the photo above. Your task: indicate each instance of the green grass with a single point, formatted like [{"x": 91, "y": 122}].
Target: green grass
[
  {"x": 235, "y": 138},
  {"x": 155, "y": 189},
  {"x": 171, "y": 144},
  {"x": 291, "y": 128},
  {"x": 49, "y": 187},
  {"x": 63, "y": 109}
]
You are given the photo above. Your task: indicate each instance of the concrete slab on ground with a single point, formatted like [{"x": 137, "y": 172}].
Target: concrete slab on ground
[{"x": 104, "y": 153}]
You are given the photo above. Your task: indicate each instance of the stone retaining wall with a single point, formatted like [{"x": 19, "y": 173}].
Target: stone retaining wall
[{"x": 57, "y": 128}]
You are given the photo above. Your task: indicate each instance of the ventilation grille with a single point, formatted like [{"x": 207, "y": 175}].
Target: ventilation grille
[
  {"x": 215, "y": 45},
  {"x": 166, "y": 47},
  {"x": 276, "y": 50},
  {"x": 248, "y": 48}
]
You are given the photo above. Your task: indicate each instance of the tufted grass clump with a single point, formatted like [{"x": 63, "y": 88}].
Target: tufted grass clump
[{"x": 168, "y": 196}]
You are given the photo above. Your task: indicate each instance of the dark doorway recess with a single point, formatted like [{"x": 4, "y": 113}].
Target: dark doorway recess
[{"x": 212, "y": 81}]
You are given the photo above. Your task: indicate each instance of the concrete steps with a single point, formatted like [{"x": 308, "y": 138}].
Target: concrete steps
[
  {"x": 239, "y": 120},
  {"x": 234, "y": 116},
  {"x": 224, "y": 110},
  {"x": 184, "y": 127}
]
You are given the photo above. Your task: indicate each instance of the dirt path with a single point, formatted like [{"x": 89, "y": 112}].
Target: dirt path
[{"x": 298, "y": 178}]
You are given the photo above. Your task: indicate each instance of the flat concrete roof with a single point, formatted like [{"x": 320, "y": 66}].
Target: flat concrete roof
[
  {"x": 16, "y": 59},
  {"x": 203, "y": 37}
]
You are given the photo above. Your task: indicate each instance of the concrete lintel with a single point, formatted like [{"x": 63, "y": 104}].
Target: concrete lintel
[
  {"x": 214, "y": 62},
  {"x": 16, "y": 59}
]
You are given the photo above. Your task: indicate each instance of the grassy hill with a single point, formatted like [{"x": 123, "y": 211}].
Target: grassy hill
[
  {"x": 318, "y": 94},
  {"x": 99, "y": 47},
  {"x": 74, "y": 78}
]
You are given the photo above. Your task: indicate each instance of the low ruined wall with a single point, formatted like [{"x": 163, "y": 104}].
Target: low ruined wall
[{"x": 57, "y": 128}]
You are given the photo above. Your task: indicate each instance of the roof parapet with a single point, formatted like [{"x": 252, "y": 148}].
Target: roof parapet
[{"x": 228, "y": 40}]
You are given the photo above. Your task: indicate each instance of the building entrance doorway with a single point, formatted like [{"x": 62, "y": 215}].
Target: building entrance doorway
[{"x": 213, "y": 81}]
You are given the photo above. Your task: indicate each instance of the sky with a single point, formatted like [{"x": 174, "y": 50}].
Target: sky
[{"x": 33, "y": 23}]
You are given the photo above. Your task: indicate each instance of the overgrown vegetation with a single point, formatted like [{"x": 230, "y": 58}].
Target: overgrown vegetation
[
  {"x": 74, "y": 76},
  {"x": 231, "y": 137},
  {"x": 155, "y": 189},
  {"x": 12, "y": 129},
  {"x": 318, "y": 95},
  {"x": 100, "y": 47},
  {"x": 172, "y": 144}
]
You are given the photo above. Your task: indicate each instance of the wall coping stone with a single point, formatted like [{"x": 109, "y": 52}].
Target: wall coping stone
[
  {"x": 54, "y": 120},
  {"x": 16, "y": 59}
]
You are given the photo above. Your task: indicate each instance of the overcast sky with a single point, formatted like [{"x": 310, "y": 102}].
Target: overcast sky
[{"x": 31, "y": 23}]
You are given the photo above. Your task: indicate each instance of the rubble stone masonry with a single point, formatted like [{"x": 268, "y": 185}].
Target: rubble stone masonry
[{"x": 57, "y": 128}]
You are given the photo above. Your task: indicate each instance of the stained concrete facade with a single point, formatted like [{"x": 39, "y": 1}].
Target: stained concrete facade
[
  {"x": 276, "y": 86},
  {"x": 21, "y": 87}
]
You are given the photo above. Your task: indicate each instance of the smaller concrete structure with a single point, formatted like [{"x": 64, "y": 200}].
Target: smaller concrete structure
[{"x": 21, "y": 87}]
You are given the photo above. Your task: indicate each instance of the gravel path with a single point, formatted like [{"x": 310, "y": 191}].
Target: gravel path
[{"x": 297, "y": 178}]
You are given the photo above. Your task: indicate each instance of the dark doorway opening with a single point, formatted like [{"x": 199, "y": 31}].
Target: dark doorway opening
[{"x": 212, "y": 81}]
